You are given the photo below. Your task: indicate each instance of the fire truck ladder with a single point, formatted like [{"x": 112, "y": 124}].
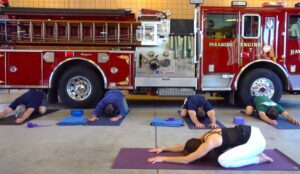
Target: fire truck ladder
[{"x": 53, "y": 32}]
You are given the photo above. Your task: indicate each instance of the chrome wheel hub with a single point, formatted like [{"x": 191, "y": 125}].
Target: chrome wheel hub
[
  {"x": 262, "y": 87},
  {"x": 79, "y": 88}
]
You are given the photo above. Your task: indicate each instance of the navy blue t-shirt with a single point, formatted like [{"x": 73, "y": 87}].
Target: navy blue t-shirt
[
  {"x": 196, "y": 101},
  {"x": 31, "y": 99},
  {"x": 114, "y": 97}
]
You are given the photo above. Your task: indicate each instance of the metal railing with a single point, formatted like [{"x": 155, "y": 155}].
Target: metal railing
[{"x": 14, "y": 31}]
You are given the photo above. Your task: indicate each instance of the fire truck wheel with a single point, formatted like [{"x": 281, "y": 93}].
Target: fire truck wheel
[
  {"x": 260, "y": 82},
  {"x": 80, "y": 88}
]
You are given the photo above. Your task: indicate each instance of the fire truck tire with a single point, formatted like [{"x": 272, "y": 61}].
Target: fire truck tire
[
  {"x": 260, "y": 82},
  {"x": 80, "y": 88}
]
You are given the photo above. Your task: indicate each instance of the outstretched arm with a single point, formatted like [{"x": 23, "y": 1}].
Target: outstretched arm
[
  {"x": 99, "y": 108},
  {"x": 193, "y": 117},
  {"x": 116, "y": 118},
  {"x": 122, "y": 107},
  {"x": 211, "y": 114},
  {"x": 97, "y": 111},
  {"x": 5, "y": 112},
  {"x": 93, "y": 118},
  {"x": 266, "y": 119},
  {"x": 26, "y": 114},
  {"x": 175, "y": 148},
  {"x": 290, "y": 118}
]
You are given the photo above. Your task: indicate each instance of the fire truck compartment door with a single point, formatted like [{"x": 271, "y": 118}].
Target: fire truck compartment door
[
  {"x": 220, "y": 50},
  {"x": 24, "y": 68},
  {"x": 2, "y": 68},
  {"x": 219, "y": 43},
  {"x": 165, "y": 82},
  {"x": 293, "y": 50},
  {"x": 120, "y": 72}
]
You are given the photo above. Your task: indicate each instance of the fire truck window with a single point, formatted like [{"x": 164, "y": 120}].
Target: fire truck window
[
  {"x": 221, "y": 26},
  {"x": 294, "y": 27},
  {"x": 251, "y": 26}
]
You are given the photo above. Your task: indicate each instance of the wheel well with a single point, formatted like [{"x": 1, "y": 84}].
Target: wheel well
[
  {"x": 270, "y": 66},
  {"x": 57, "y": 74}
]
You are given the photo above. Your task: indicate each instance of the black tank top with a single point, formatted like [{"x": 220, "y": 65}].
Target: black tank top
[{"x": 233, "y": 137}]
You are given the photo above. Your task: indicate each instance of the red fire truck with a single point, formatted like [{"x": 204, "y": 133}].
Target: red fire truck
[{"x": 76, "y": 54}]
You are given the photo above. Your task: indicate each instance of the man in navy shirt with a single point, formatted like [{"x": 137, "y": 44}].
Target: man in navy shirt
[
  {"x": 112, "y": 105},
  {"x": 198, "y": 108},
  {"x": 31, "y": 101}
]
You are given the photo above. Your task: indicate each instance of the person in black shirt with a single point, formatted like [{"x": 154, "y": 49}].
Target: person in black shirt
[
  {"x": 33, "y": 100},
  {"x": 239, "y": 146},
  {"x": 198, "y": 108}
]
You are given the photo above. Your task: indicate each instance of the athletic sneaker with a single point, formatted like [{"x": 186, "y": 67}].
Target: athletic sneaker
[{"x": 20, "y": 110}]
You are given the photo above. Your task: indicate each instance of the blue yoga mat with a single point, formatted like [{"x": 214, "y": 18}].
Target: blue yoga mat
[
  {"x": 283, "y": 123},
  {"x": 206, "y": 122},
  {"x": 105, "y": 121},
  {"x": 167, "y": 122},
  {"x": 71, "y": 121}
]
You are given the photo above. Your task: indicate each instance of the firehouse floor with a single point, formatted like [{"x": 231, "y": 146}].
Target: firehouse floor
[{"x": 89, "y": 150}]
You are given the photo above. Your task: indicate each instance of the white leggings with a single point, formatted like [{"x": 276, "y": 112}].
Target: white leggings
[{"x": 244, "y": 154}]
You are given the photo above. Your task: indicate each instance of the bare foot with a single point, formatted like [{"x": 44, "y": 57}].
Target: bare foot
[
  {"x": 2, "y": 115},
  {"x": 264, "y": 158}
]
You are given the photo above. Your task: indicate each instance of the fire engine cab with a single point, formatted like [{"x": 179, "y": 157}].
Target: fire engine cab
[{"x": 76, "y": 54}]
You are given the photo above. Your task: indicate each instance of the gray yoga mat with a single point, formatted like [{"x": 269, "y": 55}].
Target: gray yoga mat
[
  {"x": 11, "y": 120},
  {"x": 136, "y": 158}
]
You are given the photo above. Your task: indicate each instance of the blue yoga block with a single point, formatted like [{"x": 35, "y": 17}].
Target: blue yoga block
[
  {"x": 77, "y": 112},
  {"x": 238, "y": 120},
  {"x": 71, "y": 120}
]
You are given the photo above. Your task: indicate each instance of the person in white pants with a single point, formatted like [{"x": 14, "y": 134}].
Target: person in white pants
[{"x": 239, "y": 146}]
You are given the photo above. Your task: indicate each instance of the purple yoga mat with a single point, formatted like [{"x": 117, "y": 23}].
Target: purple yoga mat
[
  {"x": 136, "y": 158},
  {"x": 105, "y": 121}
]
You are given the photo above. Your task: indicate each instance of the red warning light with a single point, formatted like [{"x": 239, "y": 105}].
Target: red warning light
[
  {"x": 69, "y": 54},
  {"x": 274, "y": 4}
]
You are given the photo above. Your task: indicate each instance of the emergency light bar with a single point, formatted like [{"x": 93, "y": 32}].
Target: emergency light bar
[
  {"x": 196, "y": 1},
  {"x": 274, "y": 4},
  {"x": 238, "y": 3}
]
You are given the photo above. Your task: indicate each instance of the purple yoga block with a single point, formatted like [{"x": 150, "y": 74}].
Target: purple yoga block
[{"x": 238, "y": 120}]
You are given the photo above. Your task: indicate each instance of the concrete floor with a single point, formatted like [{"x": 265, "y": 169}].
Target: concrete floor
[{"x": 89, "y": 150}]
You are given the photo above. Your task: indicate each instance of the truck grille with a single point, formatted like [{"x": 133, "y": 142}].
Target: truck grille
[{"x": 175, "y": 91}]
